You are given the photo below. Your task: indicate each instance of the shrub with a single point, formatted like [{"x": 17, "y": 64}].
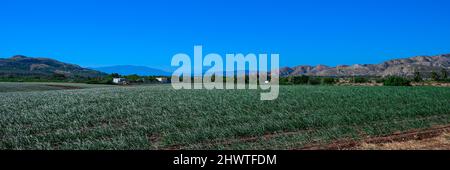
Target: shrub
[
  {"x": 396, "y": 81},
  {"x": 284, "y": 81},
  {"x": 444, "y": 74},
  {"x": 379, "y": 80},
  {"x": 300, "y": 79},
  {"x": 447, "y": 80},
  {"x": 434, "y": 76},
  {"x": 359, "y": 80},
  {"x": 328, "y": 80},
  {"x": 417, "y": 77},
  {"x": 314, "y": 81}
]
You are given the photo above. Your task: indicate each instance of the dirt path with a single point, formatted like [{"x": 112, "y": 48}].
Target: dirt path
[
  {"x": 433, "y": 138},
  {"x": 441, "y": 142}
]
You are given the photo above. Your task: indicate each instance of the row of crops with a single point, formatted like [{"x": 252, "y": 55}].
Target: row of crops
[{"x": 158, "y": 117}]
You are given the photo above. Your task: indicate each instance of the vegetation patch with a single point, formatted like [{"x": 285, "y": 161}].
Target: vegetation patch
[{"x": 158, "y": 117}]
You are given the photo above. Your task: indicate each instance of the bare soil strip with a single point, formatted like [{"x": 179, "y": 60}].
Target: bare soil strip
[
  {"x": 418, "y": 134},
  {"x": 340, "y": 144},
  {"x": 441, "y": 142}
]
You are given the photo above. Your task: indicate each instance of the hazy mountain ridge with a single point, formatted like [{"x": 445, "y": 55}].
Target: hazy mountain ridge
[
  {"x": 400, "y": 67},
  {"x": 130, "y": 69},
  {"x": 26, "y": 66}
]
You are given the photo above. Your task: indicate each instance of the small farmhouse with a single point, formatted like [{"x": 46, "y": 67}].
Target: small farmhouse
[
  {"x": 120, "y": 81},
  {"x": 162, "y": 79}
]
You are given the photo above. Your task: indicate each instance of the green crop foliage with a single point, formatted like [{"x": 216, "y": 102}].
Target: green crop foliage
[
  {"x": 158, "y": 117},
  {"x": 396, "y": 81},
  {"x": 359, "y": 80}
]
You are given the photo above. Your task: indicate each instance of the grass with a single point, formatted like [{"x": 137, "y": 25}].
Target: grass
[{"x": 158, "y": 117}]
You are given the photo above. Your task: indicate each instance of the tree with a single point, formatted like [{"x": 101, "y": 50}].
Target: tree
[
  {"x": 314, "y": 81},
  {"x": 59, "y": 76},
  {"x": 417, "y": 77},
  {"x": 133, "y": 78},
  {"x": 359, "y": 80},
  {"x": 213, "y": 77},
  {"x": 328, "y": 80},
  {"x": 115, "y": 75},
  {"x": 285, "y": 81},
  {"x": 444, "y": 73},
  {"x": 434, "y": 76},
  {"x": 396, "y": 81},
  {"x": 300, "y": 79}
]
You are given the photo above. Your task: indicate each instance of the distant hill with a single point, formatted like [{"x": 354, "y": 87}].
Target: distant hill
[
  {"x": 399, "y": 67},
  {"x": 26, "y": 66},
  {"x": 129, "y": 69}
]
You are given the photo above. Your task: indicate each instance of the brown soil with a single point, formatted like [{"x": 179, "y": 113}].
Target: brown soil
[
  {"x": 441, "y": 142},
  {"x": 432, "y": 138}
]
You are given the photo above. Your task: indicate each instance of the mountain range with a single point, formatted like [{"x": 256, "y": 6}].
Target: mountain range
[
  {"x": 26, "y": 66},
  {"x": 399, "y": 67}
]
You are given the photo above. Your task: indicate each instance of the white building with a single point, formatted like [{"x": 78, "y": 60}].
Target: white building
[
  {"x": 162, "y": 79},
  {"x": 119, "y": 80}
]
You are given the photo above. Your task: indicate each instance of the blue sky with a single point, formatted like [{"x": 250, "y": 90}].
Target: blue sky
[{"x": 148, "y": 33}]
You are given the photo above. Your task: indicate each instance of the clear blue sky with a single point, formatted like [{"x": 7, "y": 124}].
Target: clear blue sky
[{"x": 149, "y": 33}]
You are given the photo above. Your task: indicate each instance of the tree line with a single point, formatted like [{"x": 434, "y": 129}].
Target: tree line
[{"x": 442, "y": 76}]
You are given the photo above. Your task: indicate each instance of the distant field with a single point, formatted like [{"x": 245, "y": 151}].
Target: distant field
[
  {"x": 44, "y": 86},
  {"x": 158, "y": 117}
]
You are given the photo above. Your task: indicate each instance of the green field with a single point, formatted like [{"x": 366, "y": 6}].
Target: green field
[
  {"x": 43, "y": 86},
  {"x": 158, "y": 117}
]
